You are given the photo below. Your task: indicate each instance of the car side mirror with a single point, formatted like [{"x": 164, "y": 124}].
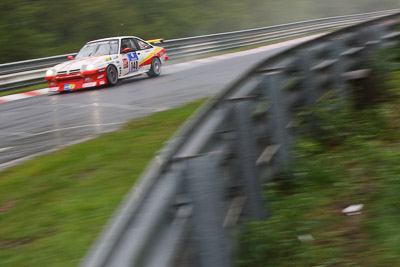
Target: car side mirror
[
  {"x": 126, "y": 50},
  {"x": 70, "y": 57}
]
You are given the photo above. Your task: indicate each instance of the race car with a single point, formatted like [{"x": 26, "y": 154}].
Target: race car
[{"x": 105, "y": 61}]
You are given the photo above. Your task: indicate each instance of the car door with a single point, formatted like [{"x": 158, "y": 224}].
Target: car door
[
  {"x": 130, "y": 59},
  {"x": 145, "y": 52}
]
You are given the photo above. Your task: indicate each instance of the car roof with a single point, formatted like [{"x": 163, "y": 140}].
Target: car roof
[{"x": 112, "y": 38}]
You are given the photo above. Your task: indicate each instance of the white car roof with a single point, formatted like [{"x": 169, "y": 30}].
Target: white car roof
[{"x": 112, "y": 38}]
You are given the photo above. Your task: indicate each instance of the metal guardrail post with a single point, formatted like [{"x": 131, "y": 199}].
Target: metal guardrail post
[
  {"x": 305, "y": 62},
  {"x": 337, "y": 47},
  {"x": 279, "y": 117},
  {"x": 206, "y": 192},
  {"x": 363, "y": 54},
  {"x": 374, "y": 42},
  {"x": 246, "y": 153}
]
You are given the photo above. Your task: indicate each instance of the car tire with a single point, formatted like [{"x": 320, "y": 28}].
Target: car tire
[
  {"x": 155, "y": 69},
  {"x": 112, "y": 75}
]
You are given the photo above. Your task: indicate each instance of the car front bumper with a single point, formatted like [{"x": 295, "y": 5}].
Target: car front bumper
[{"x": 85, "y": 79}]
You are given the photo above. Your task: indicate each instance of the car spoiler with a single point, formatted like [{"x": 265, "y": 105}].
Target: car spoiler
[{"x": 156, "y": 41}]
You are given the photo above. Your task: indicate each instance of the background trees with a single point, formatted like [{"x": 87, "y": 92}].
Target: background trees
[{"x": 31, "y": 29}]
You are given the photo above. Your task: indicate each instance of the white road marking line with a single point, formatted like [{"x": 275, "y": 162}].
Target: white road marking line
[
  {"x": 60, "y": 129},
  {"x": 49, "y": 106},
  {"x": 5, "y": 148},
  {"x": 129, "y": 107},
  {"x": 14, "y": 97},
  {"x": 77, "y": 127},
  {"x": 162, "y": 109},
  {"x": 15, "y": 133},
  {"x": 42, "y": 91}
]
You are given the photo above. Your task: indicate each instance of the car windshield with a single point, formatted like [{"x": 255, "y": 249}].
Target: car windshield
[{"x": 91, "y": 49}]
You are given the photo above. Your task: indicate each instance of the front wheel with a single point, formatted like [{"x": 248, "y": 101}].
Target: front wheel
[
  {"x": 155, "y": 69},
  {"x": 112, "y": 75}
]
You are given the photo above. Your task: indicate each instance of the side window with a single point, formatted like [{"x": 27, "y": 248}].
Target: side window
[
  {"x": 128, "y": 42},
  {"x": 124, "y": 44},
  {"x": 143, "y": 44}
]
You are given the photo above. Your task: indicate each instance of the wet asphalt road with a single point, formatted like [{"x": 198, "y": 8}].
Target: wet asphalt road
[{"x": 35, "y": 125}]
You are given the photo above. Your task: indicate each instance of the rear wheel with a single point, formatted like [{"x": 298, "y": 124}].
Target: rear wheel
[
  {"x": 155, "y": 69},
  {"x": 112, "y": 75}
]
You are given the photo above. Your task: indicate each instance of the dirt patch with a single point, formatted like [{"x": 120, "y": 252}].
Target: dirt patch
[
  {"x": 8, "y": 205},
  {"x": 86, "y": 174},
  {"x": 15, "y": 243}
]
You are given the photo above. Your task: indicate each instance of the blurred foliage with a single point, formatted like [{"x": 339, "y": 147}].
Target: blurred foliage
[
  {"x": 351, "y": 159},
  {"x": 32, "y": 29}
]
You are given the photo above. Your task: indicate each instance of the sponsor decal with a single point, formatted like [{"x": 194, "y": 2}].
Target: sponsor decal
[
  {"x": 52, "y": 84},
  {"x": 147, "y": 60},
  {"x": 133, "y": 62},
  {"x": 85, "y": 85},
  {"x": 100, "y": 76},
  {"x": 69, "y": 86},
  {"x": 125, "y": 61},
  {"x": 108, "y": 59},
  {"x": 101, "y": 82},
  {"x": 53, "y": 89},
  {"x": 88, "y": 79}
]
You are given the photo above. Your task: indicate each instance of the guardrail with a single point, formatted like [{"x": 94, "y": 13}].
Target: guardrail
[
  {"x": 23, "y": 73},
  {"x": 208, "y": 178}
]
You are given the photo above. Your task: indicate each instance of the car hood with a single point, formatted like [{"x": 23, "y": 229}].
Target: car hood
[{"x": 76, "y": 64}]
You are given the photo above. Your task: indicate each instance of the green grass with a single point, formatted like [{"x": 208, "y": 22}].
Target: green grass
[
  {"x": 53, "y": 207},
  {"x": 25, "y": 89},
  {"x": 354, "y": 159}
]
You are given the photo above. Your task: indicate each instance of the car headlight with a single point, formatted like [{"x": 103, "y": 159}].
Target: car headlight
[
  {"x": 88, "y": 67},
  {"x": 50, "y": 72}
]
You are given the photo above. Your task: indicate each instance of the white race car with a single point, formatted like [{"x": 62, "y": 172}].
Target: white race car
[{"x": 105, "y": 61}]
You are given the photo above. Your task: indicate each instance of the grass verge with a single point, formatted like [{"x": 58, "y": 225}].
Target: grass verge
[
  {"x": 53, "y": 207},
  {"x": 354, "y": 159}
]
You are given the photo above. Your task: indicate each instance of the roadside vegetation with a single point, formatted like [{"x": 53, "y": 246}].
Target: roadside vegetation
[
  {"x": 33, "y": 29},
  {"x": 53, "y": 207},
  {"x": 353, "y": 159}
]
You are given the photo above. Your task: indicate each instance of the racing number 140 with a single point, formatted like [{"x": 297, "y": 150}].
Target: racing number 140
[
  {"x": 133, "y": 62},
  {"x": 134, "y": 65}
]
